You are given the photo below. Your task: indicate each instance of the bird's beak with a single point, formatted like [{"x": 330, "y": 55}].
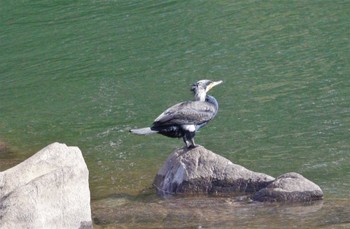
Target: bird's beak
[{"x": 213, "y": 84}]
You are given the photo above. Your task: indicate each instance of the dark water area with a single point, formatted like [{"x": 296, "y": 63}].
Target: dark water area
[{"x": 85, "y": 72}]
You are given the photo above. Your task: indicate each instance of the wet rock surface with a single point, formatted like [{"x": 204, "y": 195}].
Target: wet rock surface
[
  {"x": 289, "y": 187},
  {"x": 200, "y": 171},
  {"x": 48, "y": 190}
]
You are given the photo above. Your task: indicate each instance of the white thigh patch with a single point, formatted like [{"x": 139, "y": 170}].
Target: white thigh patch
[{"x": 190, "y": 128}]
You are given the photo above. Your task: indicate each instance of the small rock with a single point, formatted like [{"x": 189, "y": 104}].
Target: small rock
[
  {"x": 48, "y": 190},
  {"x": 290, "y": 187},
  {"x": 198, "y": 170}
]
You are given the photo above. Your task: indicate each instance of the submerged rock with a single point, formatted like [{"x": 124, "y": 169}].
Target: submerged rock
[
  {"x": 198, "y": 170},
  {"x": 3, "y": 147},
  {"x": 290, "y": 187},
  {"x": 48, "y": 190},
  {"x": 8, "y": 157}
]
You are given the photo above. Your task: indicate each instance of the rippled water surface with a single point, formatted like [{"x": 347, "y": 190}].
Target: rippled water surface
[{"x": 85, "y": 72}]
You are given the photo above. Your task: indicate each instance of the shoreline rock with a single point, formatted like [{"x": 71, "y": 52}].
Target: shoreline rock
[
  {"x": 48, "y": 190},
  {"x": 200, "y": 171},
  {"x": 289, "y": 187}
]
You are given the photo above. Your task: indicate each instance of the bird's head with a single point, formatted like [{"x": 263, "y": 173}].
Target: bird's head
[
  {"x": 204, "y": 85},
  {"x": 201, "y": 88}
]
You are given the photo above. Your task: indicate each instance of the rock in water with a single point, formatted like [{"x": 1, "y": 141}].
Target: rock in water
[
  {"x": 198, "y": 170},
  {"x": 48, "y": 190},
  {"x": 3, "y": 147},
  {"x": 290, "y": 187}
]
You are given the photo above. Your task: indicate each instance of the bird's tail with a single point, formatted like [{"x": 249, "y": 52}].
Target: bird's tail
[{"x": 143, "y": 131}]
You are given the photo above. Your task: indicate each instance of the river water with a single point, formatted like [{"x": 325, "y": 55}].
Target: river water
[{"x": 85, "y": 72}]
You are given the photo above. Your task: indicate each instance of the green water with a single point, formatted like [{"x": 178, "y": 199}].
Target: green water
[{"x": 85, "y": 72}]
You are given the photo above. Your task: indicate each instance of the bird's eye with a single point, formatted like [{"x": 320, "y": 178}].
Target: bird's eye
[{"x": 194, "y": 86}]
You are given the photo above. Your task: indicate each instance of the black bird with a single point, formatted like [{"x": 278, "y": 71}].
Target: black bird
[{"x": 184, "y": 119}]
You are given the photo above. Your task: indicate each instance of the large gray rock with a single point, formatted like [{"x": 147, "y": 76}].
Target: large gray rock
[
  {"x": 290, "y": 187},
  {"x": 198, "y": 170},
  {"x": 48, "y": 190}
]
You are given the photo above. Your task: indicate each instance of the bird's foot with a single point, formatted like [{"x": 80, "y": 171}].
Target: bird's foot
[{"x": 192, "y": 146}]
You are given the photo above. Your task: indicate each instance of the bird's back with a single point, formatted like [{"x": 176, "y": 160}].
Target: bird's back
[{"x": 186, "y": 113}]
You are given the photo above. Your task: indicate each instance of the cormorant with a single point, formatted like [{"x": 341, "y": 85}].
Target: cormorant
[{"x": 184, "y": 119}]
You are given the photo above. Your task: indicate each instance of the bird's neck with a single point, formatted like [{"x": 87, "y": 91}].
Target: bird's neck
[
  {"x": 212, "y": 100},
  {"x": 200, "y": 95}
]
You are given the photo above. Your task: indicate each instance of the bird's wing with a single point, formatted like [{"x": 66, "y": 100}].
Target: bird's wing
[{"x": 190, "y": 112}]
